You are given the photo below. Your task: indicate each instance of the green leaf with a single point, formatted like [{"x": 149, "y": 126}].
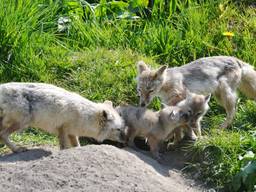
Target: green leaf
[
  {"x": 173, "y": 5},
  {"x": 138, "y": 3},
  {"x": 246, "y": 177}
]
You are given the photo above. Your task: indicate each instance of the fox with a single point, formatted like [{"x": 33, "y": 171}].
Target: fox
[
  {"x": 57, "y": 111},
  {"x": 220, "y": 76},
  {"x": 153, "y": 125},
  {"x": 196, "y": 106}
]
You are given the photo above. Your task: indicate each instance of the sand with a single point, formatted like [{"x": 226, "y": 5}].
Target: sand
[{"x": 92, "y": 168}]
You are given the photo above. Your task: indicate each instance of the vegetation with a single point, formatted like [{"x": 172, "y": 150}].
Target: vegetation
[{"x": 91, "y": 47}]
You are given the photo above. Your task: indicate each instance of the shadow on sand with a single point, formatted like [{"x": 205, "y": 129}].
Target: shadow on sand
[
  {"x": 173, "y": 160},
  {"x": 30, "y": 155}
]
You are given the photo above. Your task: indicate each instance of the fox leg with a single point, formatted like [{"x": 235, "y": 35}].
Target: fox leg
[
  {"x": 227, "y": 98},
  {"x": 131, "y": 141},
  {"x": 177, "y": 135},
  {"x": 4, "y": 136},
  {"x": 74, "y": 140},
  {"x": 64, "y": 140},
  {"x": 154, "y": 147},
  {"x": 197, "y": 129},
  {"x": 190, "y": 132},
  {"x": 130, "y": 135}
]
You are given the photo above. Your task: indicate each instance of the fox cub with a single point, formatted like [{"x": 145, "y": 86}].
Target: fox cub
[
  {"x": 155, "y": 126},
  {"x": 197, "y": 106}
]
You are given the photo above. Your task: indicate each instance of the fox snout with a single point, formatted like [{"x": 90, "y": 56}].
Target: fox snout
[
  {"x": 123, "y": 135},
  {"x": 185, "y": 116},
  {"x": 144, "y": 102},
  {"x": 193, "y": 124}
]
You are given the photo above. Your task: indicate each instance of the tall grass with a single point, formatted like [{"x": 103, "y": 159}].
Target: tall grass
[{"x": 96, "y": 56}]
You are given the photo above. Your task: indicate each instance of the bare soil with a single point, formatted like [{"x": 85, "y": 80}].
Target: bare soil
[{"x": 93, "y": 168}]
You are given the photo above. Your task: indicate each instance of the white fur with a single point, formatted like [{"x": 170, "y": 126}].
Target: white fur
[{"x": 52, "y": 109}]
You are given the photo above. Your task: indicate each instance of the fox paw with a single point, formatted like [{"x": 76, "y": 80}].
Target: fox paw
[{"x": 224, "y": 125}]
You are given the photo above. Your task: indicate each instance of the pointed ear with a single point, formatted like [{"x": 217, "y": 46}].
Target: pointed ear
[
  {"x": 207, "y": 98},
  {"x": 106, "y": 115},
  {"x": 108, "y": 103},
  {"x": 173, "y": 114},
  {"x": 160, "y": 71},
  {"x": 163, "y": 105},
  {"x": 142, "y": 66}
]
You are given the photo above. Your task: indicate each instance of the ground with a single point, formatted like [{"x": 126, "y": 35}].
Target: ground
[{"x": 93, "y": 168}]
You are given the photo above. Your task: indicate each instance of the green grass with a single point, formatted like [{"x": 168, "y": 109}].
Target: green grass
[
  {"x": 96, "y": 58},
  {"x": 31, "y": 138},
  {"x": 226, "y": 147}
]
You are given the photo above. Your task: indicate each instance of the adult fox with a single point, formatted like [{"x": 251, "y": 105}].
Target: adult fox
[{"x": 217, "y": 75}]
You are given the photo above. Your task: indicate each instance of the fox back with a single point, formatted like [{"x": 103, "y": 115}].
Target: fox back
[{"x": 139, "y": 119}]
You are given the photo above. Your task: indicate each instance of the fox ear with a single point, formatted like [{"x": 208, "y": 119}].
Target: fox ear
[
  {"x": 207, "y": 98},
  {"x": 108, "y": 103},
  {"x": 160, "y": 71},
  {"x": 173, "y": 114},
  {"x": 142, "y": 66},
  {"x": 106, "y": 115}
]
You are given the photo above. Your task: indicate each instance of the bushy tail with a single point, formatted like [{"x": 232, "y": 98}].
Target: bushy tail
[{"x": 248, "y": 81}]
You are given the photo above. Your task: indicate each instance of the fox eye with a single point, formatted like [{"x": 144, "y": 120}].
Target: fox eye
[
  {"x": 151, "y": 90},
  {"x": 184, "y": 115}
]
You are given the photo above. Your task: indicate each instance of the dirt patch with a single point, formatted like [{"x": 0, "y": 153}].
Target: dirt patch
[{"x": 92, "y": 168}]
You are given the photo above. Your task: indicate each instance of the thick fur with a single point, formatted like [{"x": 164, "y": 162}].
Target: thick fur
[
  {"x": 57, "y": 111},
  {"x": 218, "y": 75},
  {"x": 197, "y": 106},
  {"x": 155, "y": 126}
]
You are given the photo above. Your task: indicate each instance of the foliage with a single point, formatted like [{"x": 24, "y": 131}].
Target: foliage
[
  {"x": 245, "y": 180},
  {"x": 91, "y": 47}
]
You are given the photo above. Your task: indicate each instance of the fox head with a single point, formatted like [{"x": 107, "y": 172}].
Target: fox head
[
  {"x": 174, "y": 116},
  {"x": 113, "y": 127},
  {"x": 149, "y": 82},
  {"x": 196, "y": 105}
]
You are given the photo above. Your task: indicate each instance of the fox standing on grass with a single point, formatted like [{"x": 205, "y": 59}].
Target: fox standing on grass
[
  {"x": 155, "y": 126},
  {"x": 57, "y": 111},
  {"x": 197, "y": 106},
  {"x": 218, "y": 75}
]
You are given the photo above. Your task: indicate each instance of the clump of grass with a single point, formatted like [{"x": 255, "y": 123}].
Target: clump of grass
[
  {"x": 31, "y": 138},
  {"x": 218, "y": 154}
]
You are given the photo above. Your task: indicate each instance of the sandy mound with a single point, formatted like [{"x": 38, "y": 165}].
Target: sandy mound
[{"x": 89, "y": 168}]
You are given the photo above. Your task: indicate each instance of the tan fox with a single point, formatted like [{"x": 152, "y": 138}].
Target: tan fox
[
  {"x": 57, "y": 111},
  {"x": 218, "y": 75},
  {"x": 196, "y": 106},
  {"x": 155, "y": 126}
]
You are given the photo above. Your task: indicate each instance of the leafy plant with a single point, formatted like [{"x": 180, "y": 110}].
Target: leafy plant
[{"x": 245, "y": 179}]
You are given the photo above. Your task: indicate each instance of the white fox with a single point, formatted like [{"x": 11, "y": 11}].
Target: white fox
[{"x": 57, "y": 111}]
